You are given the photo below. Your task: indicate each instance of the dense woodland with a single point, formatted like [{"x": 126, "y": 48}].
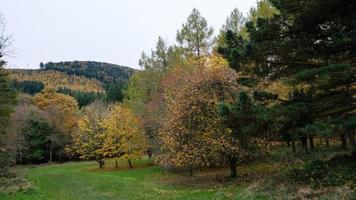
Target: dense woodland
[
  {"x": 86, "y": 81},
  {"x": 284, "y": 75},
  {"x": 29, "y": 81},
  {"x": 104, "y": 72}
]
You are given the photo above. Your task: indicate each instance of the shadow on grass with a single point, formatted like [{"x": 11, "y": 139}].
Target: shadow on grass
[{"x": 122, "y": 165}]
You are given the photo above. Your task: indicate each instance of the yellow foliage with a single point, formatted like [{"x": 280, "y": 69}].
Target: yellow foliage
[
  {"x": 192, "y": 133},
  {"x": 217, "y": 61},
  {"x": 124, "y": 135},
  {"x": 61, "y": 108},
  {"x": 89, "y": 138},
  {"x": 57, "y": 80},
  {"x": 108, "y": 132}
]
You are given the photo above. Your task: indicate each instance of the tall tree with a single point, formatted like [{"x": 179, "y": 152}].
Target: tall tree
[
  {"x": 159, "y": 59},
  {"x": 264, "y": 9},
  {"x": 195, "y": 37},
  {"x": 235, "y": 22},
  {"x": 241, "y": 117},
  {"x": 144, "y": 89},
  {"x": 192, "y": 135}
]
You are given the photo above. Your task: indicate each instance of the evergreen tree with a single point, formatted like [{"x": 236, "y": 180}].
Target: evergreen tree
[
  {"x": 311, "y": 47},
  {"x": 235, "y": 22},
  {"x": 195, "y": 35}
]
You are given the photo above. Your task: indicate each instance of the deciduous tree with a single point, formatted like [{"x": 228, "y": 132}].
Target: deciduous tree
[
  {"x": 192, "y": 135},
  {"x": 90, "y": 136},
  {"x": 61, "y": 110},
  {"x": 124, "y": 136}
]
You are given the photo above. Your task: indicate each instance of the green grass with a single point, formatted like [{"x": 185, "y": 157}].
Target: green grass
[
  {"x": 82, "y": 180},
  {"x": 265, "y": 178}
]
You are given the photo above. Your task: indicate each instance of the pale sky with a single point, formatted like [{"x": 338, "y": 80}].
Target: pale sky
[{"x": 114, "y": 31}]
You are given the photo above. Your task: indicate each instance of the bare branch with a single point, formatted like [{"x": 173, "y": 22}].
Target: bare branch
[{"x": 6, "y": 40}]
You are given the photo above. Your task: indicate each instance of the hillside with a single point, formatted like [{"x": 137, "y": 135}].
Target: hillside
[
  {"x": 104, "y": 72},
  {"x": 56, "y": 80},
  {"x": 83, "y": 80}
]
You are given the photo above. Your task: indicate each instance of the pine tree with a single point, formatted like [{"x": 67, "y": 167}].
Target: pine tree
[
  {"x": 195, "y": 35},
  {"x": 311, "y": 47}
]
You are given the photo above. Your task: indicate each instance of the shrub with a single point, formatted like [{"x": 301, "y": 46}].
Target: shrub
[{"x": 337, "y": 171}]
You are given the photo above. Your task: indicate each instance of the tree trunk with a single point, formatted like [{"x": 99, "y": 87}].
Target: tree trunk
[
  {"x": 343, "y": 140},
  {"x": 304, "y": 143},
  {"x": 288, "y": 139},
  {"x": 51, "y": 150},
  {"x": 327, "y": 142},
  {"x": 351, "y": 135},
  {"x": 293, "y": 146},
  {"x": 101, "y": 163},
  {"x": 190, "y": 171},
  {"x": 311, "y": 142},
  {"x": 149, "y": 153},
  {"x": 130, "y": 164},
  {"x": 116, "y": 163},
  {"x": 233, "y": 171},
  {"x": 233, "y": 165}
]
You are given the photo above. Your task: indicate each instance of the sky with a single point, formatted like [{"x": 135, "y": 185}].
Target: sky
[{"x": 113, "y": 31}]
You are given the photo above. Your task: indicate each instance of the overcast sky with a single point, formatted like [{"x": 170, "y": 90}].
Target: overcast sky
[{"x": 114, "y": 31}]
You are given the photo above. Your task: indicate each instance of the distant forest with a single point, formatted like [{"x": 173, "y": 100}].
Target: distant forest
[
  {"x": 104, "y": 72},
  {"x": 86, "y": 81}
]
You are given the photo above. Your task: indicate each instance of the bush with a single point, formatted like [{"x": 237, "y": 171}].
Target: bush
[{"x": 337, "y": 171}]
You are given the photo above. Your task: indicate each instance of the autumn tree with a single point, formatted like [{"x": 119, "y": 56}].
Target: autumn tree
[
  {"x": 56, "y": 80},
  {"x": 192, "y": 135},
  {"x": 90, "y": 136},
  {"x": 124, "y": 137},
  {"x": 145, "y": 93},
  {"x": 61, "y": 110}
]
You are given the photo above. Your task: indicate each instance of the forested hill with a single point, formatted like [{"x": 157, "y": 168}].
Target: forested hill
[
  {"x": 104, "y": 72},
  {"x": 33, "y": 80},
  {"x": 86, "y": 81}
]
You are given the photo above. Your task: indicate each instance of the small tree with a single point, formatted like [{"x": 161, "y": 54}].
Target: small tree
[
  {"x": 124, "y": 137},
  {"x": 242, "y": 120},
  {"x": 89, "y": 139}
]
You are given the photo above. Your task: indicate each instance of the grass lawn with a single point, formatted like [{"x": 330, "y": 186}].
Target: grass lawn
[
  {"x": 264, "y": 179},
  {"x": 82, "y": 180}
]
